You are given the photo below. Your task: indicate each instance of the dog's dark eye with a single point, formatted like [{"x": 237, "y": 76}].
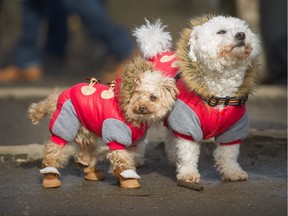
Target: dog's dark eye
[
  {"x": 152, "y": 97},
  {"x": 221, "y": 32}
]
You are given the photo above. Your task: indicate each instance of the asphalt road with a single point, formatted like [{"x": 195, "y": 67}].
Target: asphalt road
[
  {"x": 263, "y": 156},
  {"x": 263, "y": 194}
]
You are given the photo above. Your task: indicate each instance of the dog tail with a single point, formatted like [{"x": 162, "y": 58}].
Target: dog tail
[
  {"x": 152, "y": 39},
  {"x": 37, "y": 111}
]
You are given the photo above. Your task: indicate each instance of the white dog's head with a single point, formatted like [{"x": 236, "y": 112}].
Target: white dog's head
[
  {"x": 146, "y": 96},
  {"x": 223, "y": 42},
  {"x": 217, "y": 56}
]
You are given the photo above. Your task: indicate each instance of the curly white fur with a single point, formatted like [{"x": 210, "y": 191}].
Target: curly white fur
[
  {"x": 218, "y": 54},
  {"x": 226, "y": 163},
  {"x": 223, "y": 48},
  {"x": 152, "y": 39},
  {"x": 187, "y": 160}
]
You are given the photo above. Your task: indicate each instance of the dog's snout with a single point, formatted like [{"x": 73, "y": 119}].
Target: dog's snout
[
  {"x": 240, "y": 36},
  {"x": 142, "y": 109}
]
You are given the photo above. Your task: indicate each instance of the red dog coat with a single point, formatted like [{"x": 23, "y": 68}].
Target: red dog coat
[{"x": 97, "y": 112}]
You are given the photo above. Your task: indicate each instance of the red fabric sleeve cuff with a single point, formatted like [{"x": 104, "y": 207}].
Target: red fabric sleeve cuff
[
  {"x": 183, "y": 136},
  {"x": 115, "y": 146},
  {"x": 58, "y": 140}
]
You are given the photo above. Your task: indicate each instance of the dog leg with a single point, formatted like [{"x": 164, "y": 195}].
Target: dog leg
[
  {"x": 124, "y": 168},
  {"x": 86, "y": 155},
  {"x": 54, "y": 158},
  {"x": 187, "y": 160},
  {"x": 170, "y": 147},
  {"x": 227, "y": 165}
]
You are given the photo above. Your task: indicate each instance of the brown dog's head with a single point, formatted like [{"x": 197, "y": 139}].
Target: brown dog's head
[{"x": 145, "y": 95}]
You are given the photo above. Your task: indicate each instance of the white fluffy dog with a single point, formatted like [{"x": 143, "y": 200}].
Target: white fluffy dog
[{"x": 215, "y": 57}]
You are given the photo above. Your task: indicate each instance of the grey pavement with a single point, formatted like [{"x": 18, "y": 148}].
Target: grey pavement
[{"x": 263, "y": 156}]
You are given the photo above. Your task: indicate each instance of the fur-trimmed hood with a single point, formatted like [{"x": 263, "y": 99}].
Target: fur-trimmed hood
[
  {"x": 193, "y": 76},
  {"x": 126, "y": 82}
]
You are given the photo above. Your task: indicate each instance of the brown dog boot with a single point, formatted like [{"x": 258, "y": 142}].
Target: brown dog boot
[
  {"x": 128, "y": 179},
  {"x": 51, "y": 180},
  {"x": 129, "y": 183},
  {"x": 93, "y": 174}
]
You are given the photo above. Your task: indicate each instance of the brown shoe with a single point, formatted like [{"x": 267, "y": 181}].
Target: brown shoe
[
  {"x": 129, "y": 183},
  {"x": 92, "y": 174},
  {"x": 33, "y": 73},
  {"x": 12, "y": 73},
  {"x": 51, "y": 180}
]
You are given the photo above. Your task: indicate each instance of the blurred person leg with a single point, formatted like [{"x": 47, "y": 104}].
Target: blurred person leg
[
  {"x": 96, "y": 19},
  {"x": 57, "y": 33},
  {"x": 26, "y": 54},
  {"x": 273, "y": 23}
]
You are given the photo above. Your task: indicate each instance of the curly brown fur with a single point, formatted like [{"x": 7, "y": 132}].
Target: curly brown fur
[
  {"x": 121, "y": 160},
  {"x": 37, "y": 111},
  {"x": 54, "y": 156},
  {"x": 131, "y": 72},
  {"x": 129, "y": 77},
  {"x": 86, "y": 141}
]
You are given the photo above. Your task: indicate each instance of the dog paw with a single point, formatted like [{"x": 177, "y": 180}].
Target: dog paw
[
  {"x": 235, "y": 175},
  {"x": 189, "y": 178}
]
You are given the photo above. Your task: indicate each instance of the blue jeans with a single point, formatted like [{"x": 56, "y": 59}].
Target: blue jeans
[
  {"x": 96, "y": 19},
  {"x": 94, "y": 16},
  {"x": 27, "y": 51}
]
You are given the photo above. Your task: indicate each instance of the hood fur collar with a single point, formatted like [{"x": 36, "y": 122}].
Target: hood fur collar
[
  {"x": 192, "y": 74},
  {"x": 125, "y": 84}
]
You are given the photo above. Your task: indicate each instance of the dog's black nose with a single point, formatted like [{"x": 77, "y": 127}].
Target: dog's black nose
[
  {"x": 240, "y": 36},
  {"x": 142, "y": 109}
]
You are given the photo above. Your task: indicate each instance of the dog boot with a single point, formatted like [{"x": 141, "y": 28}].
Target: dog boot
[
  {"x": 50, "y": 179},
  {"x": 129, "y": 179},
  {"x": 93, "y": 174}
]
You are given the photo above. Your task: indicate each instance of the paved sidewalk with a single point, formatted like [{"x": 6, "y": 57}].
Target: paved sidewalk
[{"x": 263, "y": 156}]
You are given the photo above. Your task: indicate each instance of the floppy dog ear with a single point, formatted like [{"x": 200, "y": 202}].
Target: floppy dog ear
[
  {"x": 130, "y": 78},
  {"x": 169, "y": 91}
]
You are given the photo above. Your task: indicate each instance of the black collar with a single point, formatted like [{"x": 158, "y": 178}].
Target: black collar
[
  {"x": 215, "y": 101},
  {"x": 226, "y": 101}
]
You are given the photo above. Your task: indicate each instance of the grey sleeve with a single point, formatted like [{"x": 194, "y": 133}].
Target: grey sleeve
[
  {"x": 114, "y": 130},
  {"x": 67, "y": 124},
  {"x": 184, "y": 120},
  {"x": 238, "y": 131}
]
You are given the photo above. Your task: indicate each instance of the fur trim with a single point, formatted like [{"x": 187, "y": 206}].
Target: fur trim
[
  {"x": 191, "y": 73},
  {"x": 49, "y": 170},
  {"x": 126, "y": 86},
  {"x": 152, "y": 39},
  {"x": 129, "y": 174}
]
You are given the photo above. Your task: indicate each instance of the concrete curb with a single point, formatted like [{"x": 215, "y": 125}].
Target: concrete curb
[
  {"x": 267, "y": 91},
  {"x": 32, "y": 152},
  {"x": 26, "y": 92}
]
